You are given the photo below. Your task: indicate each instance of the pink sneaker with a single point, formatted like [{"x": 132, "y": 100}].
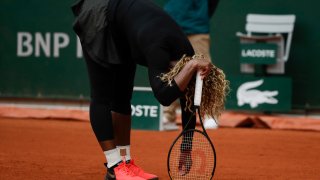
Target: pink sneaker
[
  {"x": 122, "y": 172},
  {"x": 139, "y": 172}
]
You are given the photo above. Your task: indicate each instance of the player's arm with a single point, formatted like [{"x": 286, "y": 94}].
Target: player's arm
[
  {"x": 158, "y": 63},
  {"x": 185, "y": 75}
]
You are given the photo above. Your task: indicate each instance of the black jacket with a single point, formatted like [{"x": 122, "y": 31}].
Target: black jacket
[
  {"x": 129, "y": 31},
  {"x": 91, "y": 22}
]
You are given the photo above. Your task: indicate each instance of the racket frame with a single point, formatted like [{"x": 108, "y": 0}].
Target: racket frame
[{"x": 184, "y": 131}]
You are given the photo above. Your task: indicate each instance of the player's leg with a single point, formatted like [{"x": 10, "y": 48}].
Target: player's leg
[
  {"x": 121, "y": 114},
  {"x": 121, "y": 107},
  {"x": 101, "y": 79},
  {"x": 101, "y": 87}
]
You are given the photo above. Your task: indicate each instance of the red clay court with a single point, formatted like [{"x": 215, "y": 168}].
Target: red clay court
[{"x": 67, "y": 149}]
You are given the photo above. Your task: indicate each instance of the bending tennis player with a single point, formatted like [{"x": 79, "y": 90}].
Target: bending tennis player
[{"x": 116, "y": 35}]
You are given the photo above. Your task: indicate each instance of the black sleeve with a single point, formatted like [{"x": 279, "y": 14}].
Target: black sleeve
[
  {"x": 158, "y": 60},
  {"x": 164, "y": 93}
]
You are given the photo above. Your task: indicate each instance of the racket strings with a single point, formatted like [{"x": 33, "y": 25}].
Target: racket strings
[{"x": 192, "y": 157}]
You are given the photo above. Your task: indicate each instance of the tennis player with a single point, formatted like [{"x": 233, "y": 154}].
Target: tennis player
[{"x": 116, "y": 35}]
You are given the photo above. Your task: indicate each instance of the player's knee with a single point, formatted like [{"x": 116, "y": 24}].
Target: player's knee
[
  {"x": 100, "y": 100},
  {"x": 122, "y": 107}
]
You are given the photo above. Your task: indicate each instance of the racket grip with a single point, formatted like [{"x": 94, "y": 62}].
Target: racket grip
[{"x": 198, "y": 90}]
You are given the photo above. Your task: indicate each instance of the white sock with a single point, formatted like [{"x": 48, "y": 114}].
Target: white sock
[
  {"x": 127, "y": 152},
  {"x": 112, "y": 156}
]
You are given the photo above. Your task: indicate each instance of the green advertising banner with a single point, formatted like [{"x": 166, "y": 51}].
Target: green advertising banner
[
  {"x": 41, "y": 58},
  {"x": 259, "y": 93},
  {"x": 303, "y": 63},
  {"x": 40, "y": 54},
  {"x": 146, "y": 110},
  {"x": 258, "y": 53}
]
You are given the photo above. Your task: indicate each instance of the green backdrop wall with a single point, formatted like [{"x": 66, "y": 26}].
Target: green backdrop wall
[
  {"x": 57, "y": 74},
  {"x": 39, "y": 52},
  {"x": 303, "y": 64}
]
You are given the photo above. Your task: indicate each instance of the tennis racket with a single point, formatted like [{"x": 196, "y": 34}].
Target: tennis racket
[{"x": 192, "y": 154}]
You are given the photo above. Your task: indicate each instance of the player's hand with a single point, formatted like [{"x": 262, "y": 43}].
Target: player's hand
[
  {"x": 185, "y": 162},
  {"x": 204, "y": 66}
]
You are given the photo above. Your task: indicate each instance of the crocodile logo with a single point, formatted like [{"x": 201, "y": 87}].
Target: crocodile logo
[{"x": 246, "y": 94}]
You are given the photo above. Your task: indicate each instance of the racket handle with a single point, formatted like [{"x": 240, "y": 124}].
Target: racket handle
[{"x": 198, "y": 90}]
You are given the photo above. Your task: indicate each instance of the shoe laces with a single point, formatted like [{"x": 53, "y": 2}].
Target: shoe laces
[
  {"x": 123, "y": 169},
  {"x": 133, "y": 167}
]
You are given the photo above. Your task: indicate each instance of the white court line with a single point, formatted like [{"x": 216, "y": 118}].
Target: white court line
[{"x": 57, "y": 105}]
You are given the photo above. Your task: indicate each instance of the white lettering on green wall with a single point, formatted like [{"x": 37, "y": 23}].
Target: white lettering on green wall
[
  {"x": 61, "y": 40},
  {"x": 38, "y": 43},
  {"x": 144, "y": 110},
  {"x": 24, "y": 47},
  {"x": 260, "y": 53}
]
